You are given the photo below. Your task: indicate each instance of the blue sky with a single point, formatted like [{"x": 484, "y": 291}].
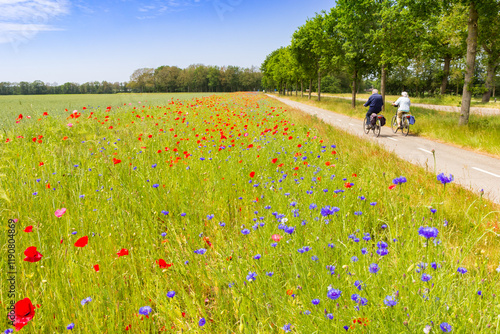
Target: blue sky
[{"x": 59, "y": 41}]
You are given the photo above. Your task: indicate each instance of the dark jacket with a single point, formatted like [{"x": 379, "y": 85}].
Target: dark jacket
[{"x": 375, "y": 102}]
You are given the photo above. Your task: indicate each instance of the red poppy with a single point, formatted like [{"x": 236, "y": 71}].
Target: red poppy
[
  {"x": 32, "y": 255},
  {"x": 116, "y": 161},
  {"x": 252, "y": 174},
  {"x": 45, "y": 114},
  {"x": 82, "y": 242},
  {"x": 96, "y": 267},
  {"x": 276, "y": 237},
  {"x": 348, "y": 185},
  {"x": 24, "y": 312},
  {"x": 20, "y": 116},
  {"x": 122, "y": 252},
  {"x": 275, "y": 160},
  {"x": 392, "y": 186},
  {"x": 28, "y": 229}
]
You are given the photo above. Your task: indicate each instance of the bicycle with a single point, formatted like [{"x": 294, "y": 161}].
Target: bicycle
[
  {"x": 376, "y": 128},
  {"x": 405, "y": 123}
]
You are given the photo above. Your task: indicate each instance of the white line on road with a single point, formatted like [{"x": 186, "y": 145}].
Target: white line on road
[
  {"x": 421, "y": 149},
  {"x": 482, "y": 170},
  {"x": 352, "y": 124},
  {"x": 392, "y": 138}
]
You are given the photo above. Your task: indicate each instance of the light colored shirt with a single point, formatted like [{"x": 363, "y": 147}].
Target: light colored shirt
[{"x": 403, "y": 103}]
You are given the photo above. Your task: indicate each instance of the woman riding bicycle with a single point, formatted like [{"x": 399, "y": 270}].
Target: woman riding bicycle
[{"x": 403, "y": 104}]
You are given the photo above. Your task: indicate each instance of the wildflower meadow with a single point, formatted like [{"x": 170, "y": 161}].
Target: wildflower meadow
[{"x": 231, "y": 214}]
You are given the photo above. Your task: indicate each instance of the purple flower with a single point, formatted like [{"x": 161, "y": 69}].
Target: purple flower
[
  {"x": 200, "y": 251},
  {"x": 428, "y": 232},
  {"x": 462, "y": 270},
  {"x": 70, "y": 326},
  {"x": 245, "y": 231},
  {"x": 156, "y": 185},
  {"x": 426, "y": 277},
  {"x": 86, "y": 300},
  {"x": 445, "y": 327},
  {"x": 333, "y": 293},
  {"x": 354, "y": 259},
  {"x": 171, "y": 294},
  {"x": 399, "y": 180},
  {"x": 364, "y": 251},
  {"x": 257, "y": 257},
  {"x": 183, "y": 214},
  {"x": 252, "y": 276},
  {"x": 145, "y": 310},
  {"x": 374, "y": 268},
  {"x": 153, "y": 166},
  {"x": 329, "y": 316},
  {"x": 315, "y": 301},
  {"x": 382, "y": 251},
  {"x": 202, "y": 322},
  {"x": 357, "y": 284},
  {"x": 270, "y": 274},
  {"x": 445, "y": 179},
  {"x": 328, "y": 210},
  {"x": 289, "y": 229},
  {"x": 382, "y": 245},
  {"x": 390, "y": 301},
  {"x": 287, "y": 328},
  {"x": 358, "y": 213},
  {"x": 433, "y": 210},
  {"x": 164, "y": 212}
]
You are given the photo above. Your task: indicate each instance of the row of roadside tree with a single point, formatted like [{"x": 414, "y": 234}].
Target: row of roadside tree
[{"x": 417, "y": 46}]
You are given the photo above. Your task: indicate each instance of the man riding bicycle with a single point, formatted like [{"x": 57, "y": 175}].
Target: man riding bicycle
[
  {"x": 375, "y": 102},
  {"x": 403, "y": 104}
]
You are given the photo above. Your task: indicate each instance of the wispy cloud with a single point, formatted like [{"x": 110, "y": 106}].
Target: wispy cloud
[
  {"x": 21, "y": 20},
  {"x": 157, "y": 7}
]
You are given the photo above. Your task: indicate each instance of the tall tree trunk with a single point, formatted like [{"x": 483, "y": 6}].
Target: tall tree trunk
[
  {"x": 490, "y": 75},
  {"x": 383, "y": 78},
  {"x": 310, "y": 87},
  {"x": 354, "y": 79},
  {"x": 471, "y": 61},
  {"x": 296, "y": 88},
  {"x": 319, "y": 85},
  {"x": 446, "y": 73},
  {"x": 301, "y": 88}
]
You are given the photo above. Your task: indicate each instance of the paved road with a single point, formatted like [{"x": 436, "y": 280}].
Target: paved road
[{"x": 471, "y": 170}]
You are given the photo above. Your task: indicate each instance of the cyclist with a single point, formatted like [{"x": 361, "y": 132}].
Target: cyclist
[
  {"x": 403, "y": 104},
  {"x": 375, "y": 102}
]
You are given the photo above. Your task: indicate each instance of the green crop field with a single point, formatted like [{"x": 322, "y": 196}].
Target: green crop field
[{"x": 229, "y": 213}]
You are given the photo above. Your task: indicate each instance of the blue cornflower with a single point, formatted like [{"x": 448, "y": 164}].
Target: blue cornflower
[
  {"x": 289, "y": 229},
  {"x": 314, "y": 258},
  {"x": 358, "y": 213},
  {"x": 390, "y": 301},
  {"x": 445, "y": 179},
  {"x": 355, "y": 297},
  {"x": 307, "y": 312},
  {"x": 367, "y": 237},
  {"x": 462, "y": 270},
  {"x": 86, "y": 300},
  {"x": 183, "y": 214},
  {"x": 202, "y": 322},
  {"x": 358, "y": 284},
  {"x": 153, "y": 166},
  {"x": 373, "y": 203},
  {"x": 428, "y": 232},
  {"x": 287, "y": 328},
  {"x": 145, "y": 310},
  {"x": 433, "y": 210},
  {"x": 399, "y": 180},
  {"x": 257, "y": 257},
  {"x": 333, "y": 293},
  {"x": 222, "y": 224},
  {"x": 274, "y": 244},
  {"x": 329, "y": 316},
  {"x": 165, "y": 212},
  {"x": 382, "y": 245},
  {"x": 328, "y": 210},
  {"x": 445, "y": 327},
  {"x": 200, "y": 251},
  {"x": 70, "y": 326},
  {"x": 315, "y": 301},
  {"x": 354, "y": 259},
  {"x": 209, "y": 217},
  {"x": 245, "y": 231},
  {"x": 270, "y": 274},
  {"x": 374, "y": 268},
  {"x": 362, "y": 198},
  {"x": 313, "y": 206},
  {"x": 382, "y": 251},
  {"x": 171, "y": 294},
  {"x": 163, "y": 234},
  {"x": 426, "y": 277},
  {"x": 156, "y": 185},
  {"x": 252, "y": 276},
  {"x": 364, "y": 251}
]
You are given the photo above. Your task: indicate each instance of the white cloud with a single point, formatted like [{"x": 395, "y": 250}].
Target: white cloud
[{"x": 21, "y": 20}]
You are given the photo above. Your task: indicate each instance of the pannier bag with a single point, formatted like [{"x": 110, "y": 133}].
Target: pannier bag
[
  {"x": 381, "y": 119},
  {"x": 373, "y": 119},
  {"x": 411, "y": 119}
]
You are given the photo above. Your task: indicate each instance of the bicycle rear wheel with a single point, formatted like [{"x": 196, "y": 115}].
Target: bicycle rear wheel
[
  {"x": 376, "y": 128},
  {"x": 394, "y": 124},
  {"x": 406, "y": 126},
  {"x": 365, "y": 126}
]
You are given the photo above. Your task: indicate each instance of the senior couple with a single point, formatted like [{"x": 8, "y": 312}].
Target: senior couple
[{"x": 375, "y": 103}]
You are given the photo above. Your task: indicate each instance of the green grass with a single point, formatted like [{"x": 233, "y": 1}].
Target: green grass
[
  {"x": 447, "y": 100},
  {"x": 215, "y": 145},
  {"x": 481, "y": 135}
]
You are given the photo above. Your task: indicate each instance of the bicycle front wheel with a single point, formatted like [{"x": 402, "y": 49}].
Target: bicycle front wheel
[
  {"x": 406, "y": 126},
  {"x": 394, "y": 124},
  {"x": 366, "y": 121}
]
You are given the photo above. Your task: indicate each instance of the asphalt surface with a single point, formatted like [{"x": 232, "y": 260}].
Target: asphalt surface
[{"x": 471, "y": 170}]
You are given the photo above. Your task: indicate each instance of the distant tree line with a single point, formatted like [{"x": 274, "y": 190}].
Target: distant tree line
[
  {"x": 38, "y": 87},
  {"x": 196, "y": 78},
  {"x": 425, "y": 47}
]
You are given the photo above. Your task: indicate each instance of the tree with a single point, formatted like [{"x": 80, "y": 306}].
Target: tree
[
  {"x": 489, "y": 39},
  {"x": 142, "y": 80}
]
